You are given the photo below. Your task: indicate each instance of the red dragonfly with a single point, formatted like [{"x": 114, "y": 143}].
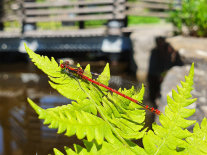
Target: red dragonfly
[{"x": 77, "y": 70}]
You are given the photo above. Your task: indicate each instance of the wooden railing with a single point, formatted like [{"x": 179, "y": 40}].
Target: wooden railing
[
  {"x": 91, "y": 10},
  {"x": 73, "y": 11},
  {"x": 81, "y": 11},
  {"x": 151, "y": 8}
]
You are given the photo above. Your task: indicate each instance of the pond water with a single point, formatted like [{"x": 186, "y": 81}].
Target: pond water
[{"x": 21, "y": 132}]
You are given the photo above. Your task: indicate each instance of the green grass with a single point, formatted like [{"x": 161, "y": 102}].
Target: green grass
[
  {"x": 49, "y": 25},
  {"x": 95, "y": 23},
  {"x": 58, "y": 25},
  {"x": 12, "y": 25},
  {"x": 132, "y": 20},
  {"x": 135, "y": 20}
]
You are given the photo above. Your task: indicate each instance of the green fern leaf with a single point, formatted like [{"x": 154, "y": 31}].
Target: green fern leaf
[
  {"x": 106, "y": 148},
  {"x": 198, "y": 141},
  {"x": 50, "y": 67},
  {"x": 57, "y": 152},
  {"x": 172, "y": 134},
  {"x": 105, "y": 75},
  {"x": 73, "y": 122}
]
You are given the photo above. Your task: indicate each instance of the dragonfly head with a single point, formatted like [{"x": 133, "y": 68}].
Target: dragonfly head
[{"x": 64, "y": 64}]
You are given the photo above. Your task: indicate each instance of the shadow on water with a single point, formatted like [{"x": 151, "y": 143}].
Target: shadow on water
[{"x": 21, "y": 130}]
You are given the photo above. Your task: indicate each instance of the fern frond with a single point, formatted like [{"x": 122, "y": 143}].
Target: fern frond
[
  {"x": 198, "y": 141},
  {"x": 166, "y": 139},
  {"x": 106, "y": 148},
  {"x": 118, "y": 113}
]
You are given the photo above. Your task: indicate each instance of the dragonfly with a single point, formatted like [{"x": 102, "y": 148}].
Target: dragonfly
[{"x": 79, "y": 71}]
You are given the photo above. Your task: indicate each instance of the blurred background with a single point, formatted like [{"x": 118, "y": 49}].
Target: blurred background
[{"x": 141, "y": 39}]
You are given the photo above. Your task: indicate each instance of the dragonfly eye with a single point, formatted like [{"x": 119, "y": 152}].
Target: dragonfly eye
[{"x": 62, "y": 66}]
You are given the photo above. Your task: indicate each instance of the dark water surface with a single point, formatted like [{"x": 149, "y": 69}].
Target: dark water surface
[{"x": 21, "y": 132}]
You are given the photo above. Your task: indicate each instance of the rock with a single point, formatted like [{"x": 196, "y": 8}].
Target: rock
[{"x": 191, "y": 49}]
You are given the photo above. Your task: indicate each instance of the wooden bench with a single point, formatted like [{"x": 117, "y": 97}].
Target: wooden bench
[{"x": 73, "y": 13}]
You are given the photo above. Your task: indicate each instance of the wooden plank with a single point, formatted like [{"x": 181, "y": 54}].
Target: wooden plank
[
  {"x": 119, "y": 2},
  {"x": 65, "y": 4},
  {"x": 73, "y": 19},
  {"x": 161, "y": 1},
  {"x": 67, "y": 33},
  {"x": 148, "y": 5},
  {"x": 14, "y": 34},
  {"x": 148, "y": 14},
  {"x": 102, "y": 9},
  {"x": 43, "y": 12},
  {"x": 159, "y": 8},
  {"x": 11, "y": 18}
]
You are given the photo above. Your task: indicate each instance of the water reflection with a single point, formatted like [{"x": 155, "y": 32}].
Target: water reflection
[{"x": 21, "y": 132}]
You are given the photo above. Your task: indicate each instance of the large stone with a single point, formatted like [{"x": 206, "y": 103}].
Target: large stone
[{"x": 191, "y": 49}]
